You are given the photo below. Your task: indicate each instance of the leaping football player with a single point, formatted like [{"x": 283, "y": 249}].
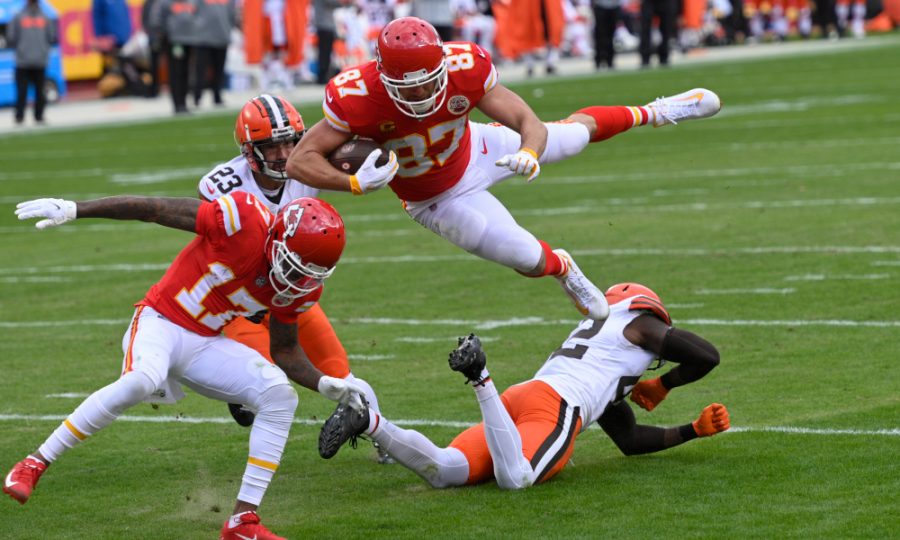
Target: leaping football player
[
  {"x": 415, "y": 99},
  {"x": 243, "y": 260},
  {"x": 528, "y": 433},
  {"x": 267, "y": 129}
]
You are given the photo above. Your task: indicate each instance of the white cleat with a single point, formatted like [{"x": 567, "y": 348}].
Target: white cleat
[
  {"x": 690, "y": 105},
  {"x": 588, "y": 299}
]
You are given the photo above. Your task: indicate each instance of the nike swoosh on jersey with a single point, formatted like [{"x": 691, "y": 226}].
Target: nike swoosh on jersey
[
  {"x": 8, "y": 480},
  {"x": 328, "y": 97},
  {"x": 210, "y": 189},
  {"x": 483, "y": 146}
]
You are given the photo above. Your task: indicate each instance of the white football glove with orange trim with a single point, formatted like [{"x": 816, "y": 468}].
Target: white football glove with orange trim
[
  {"x": 370, "y": 177},
  {"x": 523, "y": 162}
]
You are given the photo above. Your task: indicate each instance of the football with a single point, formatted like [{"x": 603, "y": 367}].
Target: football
[{"x": 349, "y": 156}]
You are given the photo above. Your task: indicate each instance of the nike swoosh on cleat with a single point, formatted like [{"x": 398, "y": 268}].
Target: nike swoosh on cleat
[
  {"x": 239, "y": 535},
  {"x": 8, "y": 481},
  {"x": 698, "y": 96}
]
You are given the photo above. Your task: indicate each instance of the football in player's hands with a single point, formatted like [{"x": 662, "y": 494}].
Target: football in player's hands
[{"x": 349, "y": 156}]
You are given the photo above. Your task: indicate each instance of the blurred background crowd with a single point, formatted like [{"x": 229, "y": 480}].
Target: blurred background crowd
[{"x": 133, "y": 47}]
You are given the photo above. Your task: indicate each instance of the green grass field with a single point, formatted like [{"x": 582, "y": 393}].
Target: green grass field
[{"x": 771, "y": 230}]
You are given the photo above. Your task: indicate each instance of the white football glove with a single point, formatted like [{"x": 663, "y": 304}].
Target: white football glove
[
  {"x": 369, "y": 177},
  {"x": 57, "y": 211},
  {"x": 342, "y": 391},
  {"x": 524, "y": 162}
]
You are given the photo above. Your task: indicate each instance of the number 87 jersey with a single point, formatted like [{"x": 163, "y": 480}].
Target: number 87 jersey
[{"x": 430, "y": 134}]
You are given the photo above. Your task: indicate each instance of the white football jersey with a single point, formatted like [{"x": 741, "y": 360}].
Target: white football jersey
[
  {"x": 597, "y": 365},
  {"x": 237, "y": 176}
]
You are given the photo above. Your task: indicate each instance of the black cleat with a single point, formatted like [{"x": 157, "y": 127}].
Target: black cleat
[
  {"x": 344, "y": 424},
  {"x": 244, "y": 417},
  {"x": 469, "y": 358}
]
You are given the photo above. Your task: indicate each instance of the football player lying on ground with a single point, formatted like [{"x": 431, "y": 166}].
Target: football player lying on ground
[
  {"x": 415, "y": 100},
  {"x": 266, "y": 130},
  {"x": 529, "y": 431},
  {"x": 243, "y": 260}
]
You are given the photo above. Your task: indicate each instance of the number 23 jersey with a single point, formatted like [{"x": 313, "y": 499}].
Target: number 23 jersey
[
  {"x": 433, "y": 152},
  {"x": 223, "y": 273},
  {"x": 234, "y": 176}
]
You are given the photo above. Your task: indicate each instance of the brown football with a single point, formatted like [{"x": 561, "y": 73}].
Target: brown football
[{"x": 349, "y": 156}]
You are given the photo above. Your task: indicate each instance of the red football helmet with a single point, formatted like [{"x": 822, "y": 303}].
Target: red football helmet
[
  {"x": 410, "y": 56},
  {"x": 643, "y": 298},
  {"x": 303, "y": 247},
  {"x": 267, "y": 120}
]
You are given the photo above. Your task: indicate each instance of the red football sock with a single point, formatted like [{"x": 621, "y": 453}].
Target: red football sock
[
  {"x": 614, "y": 120},
  {"x": 553, "y": 264}
]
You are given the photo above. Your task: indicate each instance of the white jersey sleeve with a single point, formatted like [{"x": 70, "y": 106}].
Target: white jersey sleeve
[
  {"x": 236, "y": 175},
  {"x": 596, "y": 365}
]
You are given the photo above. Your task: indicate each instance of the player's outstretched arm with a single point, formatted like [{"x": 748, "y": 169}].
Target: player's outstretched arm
[
  {"x": 175, "y": 212},
  {"x": 695, "y": 357},
  {"x": 289, "y": 356},
  {"x": 619, "y": 424},
  {"x": 506, "y": 107}
]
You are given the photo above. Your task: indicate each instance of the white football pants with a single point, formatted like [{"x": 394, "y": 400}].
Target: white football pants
[{"x": 472, "y": 218}]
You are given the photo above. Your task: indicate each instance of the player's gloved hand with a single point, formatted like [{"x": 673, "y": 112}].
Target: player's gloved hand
[
  {"x": 57, "y": 211},
  {"x": 342, "y": 391},
  {"x": 714, "y": 419},
  {"x": 523, "y": 162},
  {"x": 369, "y": 177},
  {"x": 647, "y": 394}
]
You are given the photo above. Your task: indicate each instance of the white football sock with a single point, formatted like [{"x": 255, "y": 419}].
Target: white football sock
[
  {"x": 511, "y": 469},
  {"x": 440, "y": 467},
  {"x": 96, "y": 412},
  {"x": 267, "y": 439}
]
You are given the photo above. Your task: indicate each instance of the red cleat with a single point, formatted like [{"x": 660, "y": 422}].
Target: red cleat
[
  {"x": 22, "y": 479},
  {"x": 249, "y": 529}
]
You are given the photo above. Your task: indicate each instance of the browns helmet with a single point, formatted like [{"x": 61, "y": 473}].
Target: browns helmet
[
  {"x": 267, "y": 120},
  {"x": 642, "y": 299}
]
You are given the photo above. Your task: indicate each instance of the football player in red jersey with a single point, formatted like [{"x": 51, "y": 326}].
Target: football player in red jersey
[
  {"x": 266, "y": 130},
  {"x": 528, "y": 433},
  {"x": 415, "y": 100},
  {"x": 243, "y": 260}
]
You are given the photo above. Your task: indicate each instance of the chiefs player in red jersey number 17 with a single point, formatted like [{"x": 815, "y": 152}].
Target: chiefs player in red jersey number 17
[
  {"x": 415, "y": 100},
  {"x": 243, "y": 260}
]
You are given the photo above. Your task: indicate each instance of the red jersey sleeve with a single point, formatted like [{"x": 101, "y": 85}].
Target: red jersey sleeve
[{"x": 235, "y": 226}]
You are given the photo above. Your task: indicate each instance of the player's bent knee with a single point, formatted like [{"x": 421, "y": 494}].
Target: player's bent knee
[
  {"x": 278, "y": 400},
  {"x": 132, "y": 388}
]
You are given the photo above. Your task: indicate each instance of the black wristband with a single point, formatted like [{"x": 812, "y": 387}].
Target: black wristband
[{"x": 687, "y": 432}]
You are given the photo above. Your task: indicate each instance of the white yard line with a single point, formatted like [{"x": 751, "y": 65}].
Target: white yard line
[
  {"x": 839, "y": 277},
  {"x": 403, "y": 259},
  {"x": 471, "y": 324},
  {"x": 763, "y": 290},
  {"x": 422, "y": 422}
]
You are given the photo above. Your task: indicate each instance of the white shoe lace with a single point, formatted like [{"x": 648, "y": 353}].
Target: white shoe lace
[{"x": 672, "y": 111}]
